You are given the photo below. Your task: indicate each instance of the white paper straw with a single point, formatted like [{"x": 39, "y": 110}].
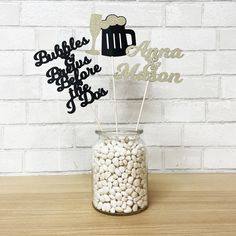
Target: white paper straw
[
  {"x": 114, "y": 94},
  {"x": 141, "y": 109}
]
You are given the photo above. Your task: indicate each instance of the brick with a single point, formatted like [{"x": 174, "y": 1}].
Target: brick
[
  {"x": 152, "y": 111},
  {"x": 186, "y": 39},
  {"x": 47, "y": 38},
  {"x": 228, "y": 85},
  {"x": 41, "y": 161},
  {"x": 220, "y": 63},
  {"x": 183, "y": 14},
  {"x": 10, "y": 161},
  {"x": 78, "y": 160},
  {"x": 184, "y": 111},
  {"x": 219, "y": 14},
  {"x": 107, "y": 63},
  {"x": 9, "y": 13},
  {"x": 17, "y": 38},
  {"x": 49, "y": 91},
  {"x": 210, "y": 135},
  {"x": 151, "y": 12},
  {"x": 19, "y": 88},
  {"x": 188, "y": 88},
  {"x": 38, "y": 137},
  {"x": 85, "y": 135},
  {"x": 29, "y": 65},
  {"x": 61, "y": 13},
  {"x": 215, "y": 158},
  {"x": 227, "y": 39},
  {"x": 62, "y": 160},
  {"x": 221, "y": 111},
  {"x": 162, "y": 135},
  {"x": 79, "y": 33},
  {"x": 182, "y": 158},
  {"x": 142, "y": 34},
  {"x": 154, "y": 158},
  {"x": 189, "y": 64},
  {"x": 9, "y": 111},
  {"x": 11, "y": 63},
  {"x": 1, "y": 137},
  {"x": 128, "y": 112},
  {"x": 56, "y": 112},
  {"x": 127, "y": 89}
]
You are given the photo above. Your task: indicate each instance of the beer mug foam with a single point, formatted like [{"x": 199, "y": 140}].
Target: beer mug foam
[
  {"x": 114, "y": 36},
  {"x": 113, "y": 20}
]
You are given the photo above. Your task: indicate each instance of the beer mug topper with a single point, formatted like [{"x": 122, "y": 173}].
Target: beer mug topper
[{"x": 114, "y": 35}]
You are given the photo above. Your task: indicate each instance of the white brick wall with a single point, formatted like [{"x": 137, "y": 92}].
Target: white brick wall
[
  {"x": 220, "y": 158},
  {"x": 191, "y": 87},
  {"x": 185, "y": 111},
  {"x": 10, "y": 13},
  {"x": 19, "y": 88},
  {"x": 209, "y": 135},
  {"x": 182, "y": 158},
  {"x": 227, "y": 37},
  {"x": 228, "y": 87},
  {"x": 13, "y": 113},
  {"x": 220, "y": 62},
  {"x": 187, "y": 127},
  {"x": 11, "y": 161},
  {"x": 15, "y": 38},
  {"x": 184, "y": 14},
  {"x": 186, "y": 39},
  {"x": 219, "y": 14},
  {"x": 11, "y": 63},
  {"x": 128, "y": 112},
  {"x": 55, "y": 13},
  {"x": 221, "y": 111},
  {"x": 185, "y": 65},
  {"x": 162, "y": 134},
  {"x": 54, "y": 112},
  {"x": 38, "y": 137}
]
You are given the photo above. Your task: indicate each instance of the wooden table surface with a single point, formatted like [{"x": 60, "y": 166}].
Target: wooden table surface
[{"x": 180, "y": 204}]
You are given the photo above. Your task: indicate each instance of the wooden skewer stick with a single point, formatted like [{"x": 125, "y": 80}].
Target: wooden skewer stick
[
  {"x": 96, "y": 117},
  {"x": 141, "y": 109},
  {"x": 114, "y": 94}
]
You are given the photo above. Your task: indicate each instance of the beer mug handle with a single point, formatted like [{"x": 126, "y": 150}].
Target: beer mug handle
[{"x": 132, "y": 33}]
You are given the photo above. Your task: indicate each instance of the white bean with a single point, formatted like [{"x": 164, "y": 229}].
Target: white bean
[{"x": 119, "y": 175}]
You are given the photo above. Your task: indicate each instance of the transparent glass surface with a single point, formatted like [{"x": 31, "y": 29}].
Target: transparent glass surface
[{"x": 120, "y": 173}]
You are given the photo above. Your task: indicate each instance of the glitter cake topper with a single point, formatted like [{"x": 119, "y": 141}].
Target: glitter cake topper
[{"x": 73, "y": 76}]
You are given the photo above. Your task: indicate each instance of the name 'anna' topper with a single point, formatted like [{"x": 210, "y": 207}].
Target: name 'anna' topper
[{"x": 73, "y": 75}]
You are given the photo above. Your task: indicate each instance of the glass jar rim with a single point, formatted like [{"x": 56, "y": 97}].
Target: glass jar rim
[{"x": 112, "y": 131}]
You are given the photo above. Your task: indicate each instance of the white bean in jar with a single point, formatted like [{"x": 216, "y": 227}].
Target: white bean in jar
[{"x": 120, "y": 173}]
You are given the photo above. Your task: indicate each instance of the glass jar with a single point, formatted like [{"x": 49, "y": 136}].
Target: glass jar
[{"x": 120, "y": 173}]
